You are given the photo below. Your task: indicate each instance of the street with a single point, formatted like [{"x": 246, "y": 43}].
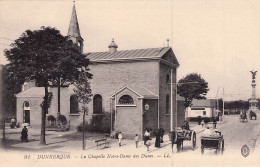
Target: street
[{"x": 236, "y": 134}]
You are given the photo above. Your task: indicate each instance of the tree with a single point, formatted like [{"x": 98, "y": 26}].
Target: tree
[
  {"x": 11, "y": 86},
  {"x": 48, "y": 56},
  {"x": 192, "y": 86},
  {"x": 83, "y": 92}
]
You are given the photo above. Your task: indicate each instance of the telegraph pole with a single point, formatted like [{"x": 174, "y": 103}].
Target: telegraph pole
[
  {"x": 171, "y": 103},
  {"x": 223, "y": 103}
]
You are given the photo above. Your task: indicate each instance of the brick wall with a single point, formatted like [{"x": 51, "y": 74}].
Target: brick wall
[
  {"x": 165, "y": 90},
  {"x": 128, "y": 116},
  {"x": 109, "y": 78},
  {"x": 150, "y": 117},
  {"x": 35, "y": 109}
]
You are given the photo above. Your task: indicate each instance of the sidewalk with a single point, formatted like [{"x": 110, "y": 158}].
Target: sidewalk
[{"x": 71, "y": 141}]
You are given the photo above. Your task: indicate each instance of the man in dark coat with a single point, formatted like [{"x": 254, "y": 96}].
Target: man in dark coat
[
  {"x": 24, "y": 133},
  {"x": 157, "y": 139},
  {"x": 161, "y": 131}
]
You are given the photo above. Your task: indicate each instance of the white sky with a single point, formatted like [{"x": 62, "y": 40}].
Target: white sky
[{"x": 219, "y": 39}]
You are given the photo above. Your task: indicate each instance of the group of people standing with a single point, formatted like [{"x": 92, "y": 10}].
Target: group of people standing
[{"x": 158, "y": 138}]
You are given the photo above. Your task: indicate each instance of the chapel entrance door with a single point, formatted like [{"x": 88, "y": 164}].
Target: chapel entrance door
[{"x": 27, "y": 116}]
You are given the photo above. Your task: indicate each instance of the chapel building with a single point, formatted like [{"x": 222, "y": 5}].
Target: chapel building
[{"x": 131, "y": 86}]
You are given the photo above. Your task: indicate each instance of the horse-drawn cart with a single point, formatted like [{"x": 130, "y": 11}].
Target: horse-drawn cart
[
  {"x": 212, "y": 142},
  {"x": 179, "y": 135},
  {"x": 243, "y": 117},
  {"x": 252, "y": 115}
]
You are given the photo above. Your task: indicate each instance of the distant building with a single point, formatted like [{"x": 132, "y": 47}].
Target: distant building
[
  {"x": 204, "y": 108},
  {"x": 132, "y": 86}
]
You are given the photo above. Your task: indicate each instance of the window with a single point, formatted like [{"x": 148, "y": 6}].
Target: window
[
  {"x": 167, "y": 78},
  {"x": 204, "y": 112},
  {"x": 26, "y": 104},
  {"x": 197, "y": 108},
  {"x": 167, "y": 104},
  {"x": 74, "y": 106},
  {"x": 126, "y": 99},
  {"x": 97, "y": 104}
]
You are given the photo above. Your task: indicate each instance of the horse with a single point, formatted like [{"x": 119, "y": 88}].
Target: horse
[{"x": 175, "y": 140}]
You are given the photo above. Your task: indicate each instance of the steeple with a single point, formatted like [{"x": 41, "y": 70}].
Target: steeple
[{"x": 74, "y": 32}]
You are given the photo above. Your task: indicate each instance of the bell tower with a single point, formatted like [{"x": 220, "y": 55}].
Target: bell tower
[{"x": 74, "y": 32}]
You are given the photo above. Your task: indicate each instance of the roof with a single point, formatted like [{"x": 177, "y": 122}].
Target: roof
[
  {"x": 74, "y": 24},
  {"x": 149, "y": 53},
  {"x": 32, "y": 92},
  {"x": 204, "y": 103},
  {"x": 141, "y": 92},
  {"x": 180, "y": 98}
]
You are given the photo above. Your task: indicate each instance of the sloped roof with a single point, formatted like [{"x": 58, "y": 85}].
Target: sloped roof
[
  {"x": 128, "y": 54},
  {"x": 141, "y": 92},
  {"x": 32, "y": 92}
]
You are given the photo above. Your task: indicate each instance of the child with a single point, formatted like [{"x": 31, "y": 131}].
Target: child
[
  {"x": 120, "y": 139},
  {"x": 136, "y": 140},
  {"x": 202, "y": 123},
  {"x": 148, "y": 143}
]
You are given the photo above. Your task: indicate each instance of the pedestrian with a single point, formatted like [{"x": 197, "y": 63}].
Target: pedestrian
[
  {"x": 146, "y": 136},
  {"x": 202, "y": 123},
  {"x": 136, "y": 140},
  {"x": 161, "y": 133},
  {"x": 157, "y": 139},
  {"x": 214, "y": 123},
  {"x": 24, "y": 135},
  {"x": 13, "y": 123},
  {"x": 207, "y": 132},
  {"x": 148, "y": 143},
  {"x": 120, "y": 137}
]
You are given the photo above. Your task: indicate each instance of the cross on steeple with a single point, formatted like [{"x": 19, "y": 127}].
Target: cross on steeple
[{"x": 168, "y": 41}]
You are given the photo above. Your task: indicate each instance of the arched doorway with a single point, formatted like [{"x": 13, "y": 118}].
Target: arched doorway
[{"x": 26, "y": 112}]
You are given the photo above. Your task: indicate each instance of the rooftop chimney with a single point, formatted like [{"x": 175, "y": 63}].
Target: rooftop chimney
[{"x": 112, "y": 46}]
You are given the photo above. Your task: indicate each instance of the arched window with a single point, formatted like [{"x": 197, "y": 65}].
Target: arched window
[
  {"x": 126, "y": 99},
  {"x": 97, "y": 104},
  {"x": 26, "y": 104},
  {"x": 74, "y": 105},
  {"x": 167, "y": 104}
]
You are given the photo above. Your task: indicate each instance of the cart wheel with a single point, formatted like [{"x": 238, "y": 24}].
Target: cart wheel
[
  {"x": 222, "y": 149},
  {"x": 193, "y": 142}
]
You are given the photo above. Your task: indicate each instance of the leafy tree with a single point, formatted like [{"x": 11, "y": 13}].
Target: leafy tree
[
  {"x": 192, "y": 86},
  {"x": 11, "y": 86},
  {"x": 83, "y": 92},
  {"x": 48, "y": 56}
]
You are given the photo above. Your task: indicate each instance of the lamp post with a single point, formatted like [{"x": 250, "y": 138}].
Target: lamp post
[
  {"x": 176, "y": 103},
  {"x": 84, "y": 115}
]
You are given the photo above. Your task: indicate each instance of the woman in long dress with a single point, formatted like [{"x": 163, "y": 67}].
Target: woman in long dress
[
  {"x": 24, "y": 133},
  {"x": 157, "y": 139}
]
